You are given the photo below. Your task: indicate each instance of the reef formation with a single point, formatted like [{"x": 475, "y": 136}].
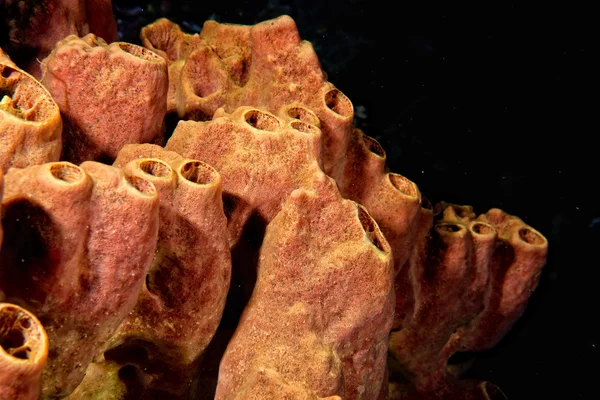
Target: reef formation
[{"x": 261, "y": 250}]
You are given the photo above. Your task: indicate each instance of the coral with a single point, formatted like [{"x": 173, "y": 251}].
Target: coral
[
  {"x": 467, "y": 281},
  {"x": 23, "y": 352},
  {"x": 30, "y": 122},
  {"x": 34, "y": 27},
  {"x": 78, "y": 244},
  {"x": 90, "y": 80},
  {"x": 318, "y": 318}
]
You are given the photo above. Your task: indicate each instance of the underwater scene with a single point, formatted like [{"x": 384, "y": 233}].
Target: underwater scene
[{"x": 341, "y": 199}]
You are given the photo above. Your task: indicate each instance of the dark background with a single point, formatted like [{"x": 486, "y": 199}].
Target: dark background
[{"x": 489, "y": 106}]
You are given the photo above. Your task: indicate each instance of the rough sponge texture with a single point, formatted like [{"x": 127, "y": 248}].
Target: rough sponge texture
[
  {"x": 30, "y": 122},
  {"x": 392, "y": 199},
  {"x": 23, "y": 353},
  {"x": 180, "y": 306},
  {"x": 34, "y": 26},
  {"x": 268, "y": 66},
  {"x": 23, "y": 347},
  {"x": 78, "y": 244},
  {"x": 261, "y": 157},
  {"x": 318, "y": 320},
  {"x": 109, "y": 96},
  {"x": 466, "y": 283}
]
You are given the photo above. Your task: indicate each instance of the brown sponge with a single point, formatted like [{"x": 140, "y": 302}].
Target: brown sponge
[
  {"x": 109, "y": 96},
  {"x": 23, "y": 353},
  {"x": 180, "y": 306},
  {"x": 318, "y": 320},
  {"x": 78, "y": 242},
  {"x": 30, "y": 122},
  {"x": 466, "y": 283}
]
